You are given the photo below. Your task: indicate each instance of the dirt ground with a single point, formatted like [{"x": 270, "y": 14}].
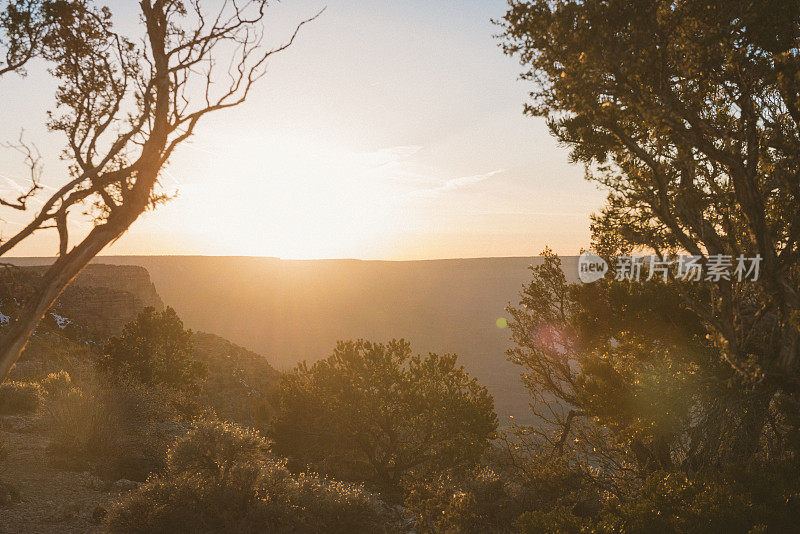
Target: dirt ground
[{"x": 51, "y": 500}]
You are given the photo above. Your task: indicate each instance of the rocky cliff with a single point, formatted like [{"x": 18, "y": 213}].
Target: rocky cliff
[{"x": 103, "y": 298}]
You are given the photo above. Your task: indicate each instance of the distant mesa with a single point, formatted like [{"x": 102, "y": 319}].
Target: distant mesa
[{"x": 295, "y": 310}]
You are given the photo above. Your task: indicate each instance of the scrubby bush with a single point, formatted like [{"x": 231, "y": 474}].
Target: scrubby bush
[
  {"x": 57, "y": 385},
  {"x": 740, "y": 501},
  {"x": 53, "y": 351},
  {"x": 477, "y": 501},
  {"x": 212, "y": 448},
  {"x": 220, "y": 478},
  {"x": 735, "y": 501},
  {"x": 119, "y": 432},
  {"x": 557, "y": 520},
  {"x": 20, "y": 397},
  {"x": 138, "y": 398},
  {"x": 541, "y": 493}
]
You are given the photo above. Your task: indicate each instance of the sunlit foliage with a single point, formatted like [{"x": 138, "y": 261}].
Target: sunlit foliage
[{"x": 221, "y": 478}]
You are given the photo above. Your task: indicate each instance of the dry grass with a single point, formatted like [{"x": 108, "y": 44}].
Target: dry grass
[{"x": 20, "y": 397}]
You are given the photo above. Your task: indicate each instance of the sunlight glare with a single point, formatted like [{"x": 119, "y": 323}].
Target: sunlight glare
[{"x": 297, "y": 198}]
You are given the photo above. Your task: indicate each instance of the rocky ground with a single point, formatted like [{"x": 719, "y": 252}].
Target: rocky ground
[{"x": 50, "y": 499}]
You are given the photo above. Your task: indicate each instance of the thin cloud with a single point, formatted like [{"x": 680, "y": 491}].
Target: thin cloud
[
  {"x": 391, "y": 155},
  {"x": 457, "y": 183},
  {"x": 454, "y": 184}
]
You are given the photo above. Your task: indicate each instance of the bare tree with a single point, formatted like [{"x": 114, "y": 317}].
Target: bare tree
[
  {"x": 23, "y": 24},
  {"x": 126, "y": 108}
]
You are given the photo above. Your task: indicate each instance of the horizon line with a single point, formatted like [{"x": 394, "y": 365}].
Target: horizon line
[{"x": 246, "y": 256}]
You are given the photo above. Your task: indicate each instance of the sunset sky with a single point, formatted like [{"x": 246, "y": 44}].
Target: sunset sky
[{"x": 391, "y": 130}]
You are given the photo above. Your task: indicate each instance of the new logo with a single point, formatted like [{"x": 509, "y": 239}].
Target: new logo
[{"x": 591, "y": 267}]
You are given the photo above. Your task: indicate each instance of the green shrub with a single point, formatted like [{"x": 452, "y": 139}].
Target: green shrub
[
  {"x": 20, "y": 397},
  {"x": 377, "y": 413},
  {"x": 220, "y": 478},
  {"x": 154, "y": 349}
]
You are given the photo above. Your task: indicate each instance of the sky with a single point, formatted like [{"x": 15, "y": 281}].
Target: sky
[{"x": 389, "y": 130}]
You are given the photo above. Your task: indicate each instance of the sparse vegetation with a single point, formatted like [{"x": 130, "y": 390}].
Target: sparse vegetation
[
  {"x": 57, "y": 385},
  {"x": 119, "y": 431},
  {"x": 479, "y": 500}
]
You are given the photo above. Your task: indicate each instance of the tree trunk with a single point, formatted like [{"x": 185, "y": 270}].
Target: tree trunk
[
  {"x": 55, "y": 280},
  {"x": 67, "y": 267}
]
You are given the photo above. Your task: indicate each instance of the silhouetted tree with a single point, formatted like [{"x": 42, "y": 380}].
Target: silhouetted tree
[
  {"x": 661, "y": 397},
  {"x": 631, "y": 397},
  {"x": 125, "y": 108},
  {"x": 22, "y": 24},
  {"x": 374, "y": 412},
  {"x": 689, "y": 114}
]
